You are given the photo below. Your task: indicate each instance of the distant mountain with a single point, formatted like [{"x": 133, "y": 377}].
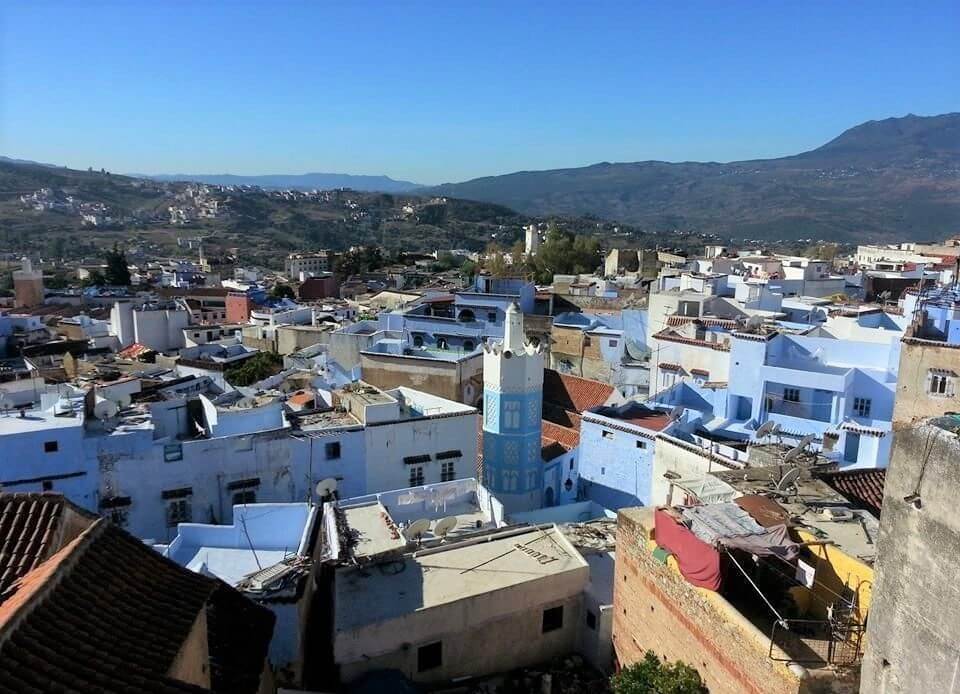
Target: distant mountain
[
  {"x": 895, "y": 178},
  {"x": 307, "y": 181}
]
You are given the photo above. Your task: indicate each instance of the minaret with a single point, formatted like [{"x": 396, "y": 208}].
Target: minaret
[{"x": 512, "y": 411}]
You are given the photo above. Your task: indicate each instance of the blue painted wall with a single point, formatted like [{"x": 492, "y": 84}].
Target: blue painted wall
[{"x": 615, "y": 471}]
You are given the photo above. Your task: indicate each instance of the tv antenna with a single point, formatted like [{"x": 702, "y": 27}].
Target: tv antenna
[
  {"x": 444, "y": 526},
  {"x": 416, "y": 530}
]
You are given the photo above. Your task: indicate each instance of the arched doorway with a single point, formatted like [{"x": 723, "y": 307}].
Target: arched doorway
[{"x": 548, "y": 497}]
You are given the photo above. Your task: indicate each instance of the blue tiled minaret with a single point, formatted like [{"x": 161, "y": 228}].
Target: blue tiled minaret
[{"x": 512, "y": 410}]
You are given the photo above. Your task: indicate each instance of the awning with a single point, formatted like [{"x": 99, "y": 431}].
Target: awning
[{"x": 708, "y": 489}]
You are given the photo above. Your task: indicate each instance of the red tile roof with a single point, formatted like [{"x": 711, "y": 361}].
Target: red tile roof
[
  {"x": 566, "y": 396},
  {"x": 32, "y": 529},
  {"x": 862, "y": 487},
  {"x": 106, "y": 613},
  {"x": 568, "y": 437},
  {"x": 666, "y": 366},
  {"x": 550, "y": 449}
]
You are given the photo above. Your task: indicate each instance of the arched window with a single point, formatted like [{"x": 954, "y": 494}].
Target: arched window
[
  {"x": 418, "y": 340},
  {"x": 468, "y": 345},
  {"x": 467, "y": 316},
  {"x": 441, "y": 343}
]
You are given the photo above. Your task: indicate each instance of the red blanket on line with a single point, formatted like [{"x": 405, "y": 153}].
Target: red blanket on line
[{"x": 699, "y": 562}]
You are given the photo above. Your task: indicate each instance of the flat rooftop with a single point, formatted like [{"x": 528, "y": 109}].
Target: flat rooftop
[{"x": 451, "y": 573}]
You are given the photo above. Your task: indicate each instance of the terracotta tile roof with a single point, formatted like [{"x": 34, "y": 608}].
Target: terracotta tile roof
[
  {"x": 700, "y": 372},
  {"x": 862, "y": 487},
  {"x": 106, "y": 613},
  {"x": 568, "y": 437},
  {"x": 134, "y": 351},
  {"x": 550, "y": 449},
  {"x": 572, "y": 392},
  {"x": 302, "y": 397},
  {"x": 32, "y": 529},
  {"x": 667, "y": 366}
]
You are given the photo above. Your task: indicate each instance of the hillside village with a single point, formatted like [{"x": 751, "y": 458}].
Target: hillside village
[{"x": 447, "y": 476}]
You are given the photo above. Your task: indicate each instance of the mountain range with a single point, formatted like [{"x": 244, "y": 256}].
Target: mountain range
[
  {"x": 307, "y": 181},
  {"x": 897, "y": 178}
]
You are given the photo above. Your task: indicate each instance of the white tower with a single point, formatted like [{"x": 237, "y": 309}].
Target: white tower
[
  {"x": 512, "y": 417},
  {"x": 532, "y": 240}
]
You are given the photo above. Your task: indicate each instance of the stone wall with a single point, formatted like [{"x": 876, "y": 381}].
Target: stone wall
[{"x": 914, "y": 400}]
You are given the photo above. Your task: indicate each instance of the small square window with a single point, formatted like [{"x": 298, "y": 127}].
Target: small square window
[
  {"x": 791, "y": 394},
  {"x": 416, "y": 476},
  {"x": 50, "y": 446},
  {"x": 246, "y": 496},
  {"x": 447, "y": 471},
  {"x": 172, "y": 452},
  {"x": 591, "y": 620},
  {"x": 642, "y": 444},
  {"x": 430, "y": 656},
  {"x": 607, "y": 434},
  {"x": 47, "y": 485},
  {"x": 861, "y": 406},
  {"x": 603, "y": 471},
  {"x": 492, "y": 316},
  {"x": 332, "y": 450},
  {"x": 552, "y": 619},
  {"x": 613, "y": 343}
]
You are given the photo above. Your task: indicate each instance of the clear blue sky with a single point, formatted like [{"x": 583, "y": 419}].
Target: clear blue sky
[{"x": 445, "y": 91}]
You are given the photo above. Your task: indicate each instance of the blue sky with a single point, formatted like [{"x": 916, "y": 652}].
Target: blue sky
[{"x": 446, "y": 91}]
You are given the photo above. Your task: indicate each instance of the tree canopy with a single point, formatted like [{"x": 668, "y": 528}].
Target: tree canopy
[
  {"x": 254, "y": 369},
  {"x": 282, "y": 291},
  {"x": 358, "y": 260},
  {"x": 651, "y": 676},
  {"x": 117, "y": 273}
]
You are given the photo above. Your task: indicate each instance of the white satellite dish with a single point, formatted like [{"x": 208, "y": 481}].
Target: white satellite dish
[
  {"x": 765, "y": 429},
  {"x": 416, "y": 529},
  {"x": 326, "y": 487},
  {"x": 792, "y": 453},
  {"x": 444, "y": 526},
  {"x": 806, "y": 441},
  {"x": 789, "y": 479},
  {"x": 676, "y": 412},
  {"x": 754, "y": 323}
]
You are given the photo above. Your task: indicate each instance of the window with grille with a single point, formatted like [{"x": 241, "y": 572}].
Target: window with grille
[
  {"x": 861, "y": 407},
  {"x": 791, "y": 394},
  {"x": 940, "y": 385},
  {"x": 244, "y": 496},
  {"x": 447, "y": 472},
  {"x": 332, "y": 450},
  {"x": 511, "y": 414},
  {"x": 416, "y": 476},
  {"x": 178, "y": 511}
]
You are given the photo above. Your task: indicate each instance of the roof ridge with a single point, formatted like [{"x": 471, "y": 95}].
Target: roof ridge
[{"x": 30, "y": 589}]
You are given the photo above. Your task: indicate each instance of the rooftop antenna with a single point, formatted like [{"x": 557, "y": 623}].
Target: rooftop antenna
[
  {"x": 326, "y": 488},
  {"x": 444, "y": 526},
  {"x": 789, "y": 479},
  {"x": 416, "y": 530}
]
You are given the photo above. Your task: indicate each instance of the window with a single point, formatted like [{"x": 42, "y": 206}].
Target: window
[
  {"x": 591, "y": 620},
  {"x": 416, "y": 476},
  {"x": 791, "y": 394},
  {"x": 245, "y": 496},
  {"x": 50, "y": 446},
  {"x": 332, "y": 450},
  {"x": 468, "y": 345},
  {"x": 511, "y": 415},
  {"x": 178, "y": 511},
  {"x": 492, "y": 316},
  {"x": 441, "y": 343},
  {"x": 448, "y": 471},
  {"x": 571, "y": 463},
  {"x": 172, "y": 452},
  {"x": 603, "y": 471},
  {"x": 642, "y": 444},
  {"x": 607, "y": 434},
  {"x": 612, "y": 343},
  {"x": 941, "y": 383},
  {"x": 430, "y": 656},
  {"x": 47, "y": 485},
  {"x": 418, "y": 340},
  {"x": 861, "y": 407},
  {"x": 552, "y": 619},
  {"x": 119, "y": 516}
]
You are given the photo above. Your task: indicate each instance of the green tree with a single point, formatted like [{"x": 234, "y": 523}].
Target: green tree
[
  {"x": 282, "y": 291},
  {"x": 651, "y": 676},
  {"x": 563, "y": 253},
  {"x": 117, "y": 273},
  {"x": 493, "y": 261},
  {"x": 359, "y": 260},
  {"x": 253, "y": 369}
]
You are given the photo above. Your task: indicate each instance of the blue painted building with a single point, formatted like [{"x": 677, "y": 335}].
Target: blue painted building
[{"x": 617, "y": 446}]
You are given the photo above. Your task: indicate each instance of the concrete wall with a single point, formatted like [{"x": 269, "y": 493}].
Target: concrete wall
[
  {"x": 486, "y": 634},
  {"x": 913, "y": 634},
  {"x": 615, "y": 465},
  {"x": 460, "y": 381},
  {"x": 914, "y": 401}
]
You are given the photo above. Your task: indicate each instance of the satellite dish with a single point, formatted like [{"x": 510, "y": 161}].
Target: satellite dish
[
  {"x": 792, "y": 453},
  {"x": 676, "y": 412},
  {"x": 754, "y": 323},
  {"x": 789, "y": 479},
  {"x": 444, "y": 526},
  {"x": 765, "y": 429},
  {"x": 416, "y": 529},
  {"x": 326, "y": 487},
  {"x": 806, "y": 441}
]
